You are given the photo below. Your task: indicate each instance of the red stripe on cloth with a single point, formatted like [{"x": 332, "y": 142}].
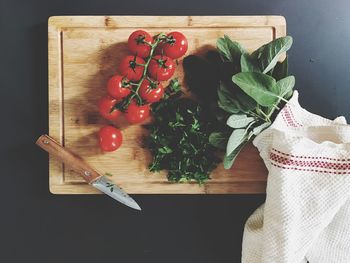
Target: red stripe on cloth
[
  {"x": 310, "y": 157},
  {"x": 310, "y": 170},
  {"x": 289, "y": 161},
  {"x": 288, "y": 117}
]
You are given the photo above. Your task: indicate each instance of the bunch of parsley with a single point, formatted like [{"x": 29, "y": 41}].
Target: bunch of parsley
[{"x": 179, "y": 138}]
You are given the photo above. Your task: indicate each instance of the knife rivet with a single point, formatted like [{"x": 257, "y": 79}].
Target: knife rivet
[
  {"x": 46, "y": 142},
  {"x": 87, "y": 173}
]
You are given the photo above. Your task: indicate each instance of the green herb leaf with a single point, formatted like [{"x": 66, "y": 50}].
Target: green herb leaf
[
  {"x": 285, "y": 86},
  {"x": 280, "y": 71},
  {"x": 226, "y": 100},
  {"x": 258, "y": 86},
  {"x": 174, "y": 87},
  {"x": 260, "y": 128},
  {"x": 229, "y": 50},
  {"x": 218, "y": 140},
  {"x": 247, "y": 104},
  {"x": 165, "y": 150},
  {"x": 268, "y": 54},
  {"x": 229, "y": 159},
  {"x": 249, "y": 64},
  {"x": 236, "y": 138},
  {"x": 239, "y": 121},
  {"x": 179, "y": 140}
]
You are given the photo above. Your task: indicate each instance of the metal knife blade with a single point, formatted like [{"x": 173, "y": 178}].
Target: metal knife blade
[
  {"x": 90, "y": 175},
  {"x": 114, "y": 191}
]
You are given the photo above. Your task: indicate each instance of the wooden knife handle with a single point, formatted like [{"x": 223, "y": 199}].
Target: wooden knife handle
[{"x": 76, "y": 163}]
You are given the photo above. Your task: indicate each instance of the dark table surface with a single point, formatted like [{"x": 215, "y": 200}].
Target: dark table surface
[{"x": 37, "y": 226}]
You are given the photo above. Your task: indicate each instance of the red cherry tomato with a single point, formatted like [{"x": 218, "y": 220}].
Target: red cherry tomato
[
  {"x": 131, "y": 69},
  {"x": 110, "y": 138},
  {"x": 136, "y": 114},
  {"x": 137, "y": 45},
  {"x": 161, "y": 68},
  {"x": 175, "y": 47},
  {"x": 118, "y": 87},
  {"x": 105, "y": 107},
  {"x": 151, "y": 92}
]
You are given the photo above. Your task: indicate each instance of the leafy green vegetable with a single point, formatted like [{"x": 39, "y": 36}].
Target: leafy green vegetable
[
  {"x": 229, "y": 159},
  {"x": 251, "y": 101},
  {"x": 260, "y": 128},
  {"x": 243, "y": 91},
  {"x": 285, "y": 86},
  {"x": 247, "y": 103},
  {"x": 249, "y": 64},
  {"x": 173, "y": 89},
  {"x": 237, "y": 96},
  {"x": 236, "y": 139},
  {"x": 227, "y": 102},
  {"x": 179, "y": 140},
  {"x": 280, "y": 71},
  {"x": 229, "y": 50},
  {"x": 268, "y": 54},
  {"x": 218, "y": 139},
  {"x": 258, "y": 86},
  {"x": 239, "y": 121}
]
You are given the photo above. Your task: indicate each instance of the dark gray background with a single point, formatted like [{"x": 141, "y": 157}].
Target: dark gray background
[{"x": 39, "y": 227}]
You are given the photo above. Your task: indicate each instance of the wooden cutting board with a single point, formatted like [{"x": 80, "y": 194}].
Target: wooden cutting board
[{"x": 84, "y": 52}]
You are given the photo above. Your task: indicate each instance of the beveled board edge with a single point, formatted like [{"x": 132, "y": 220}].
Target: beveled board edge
[{"x": 55, "y": 26}]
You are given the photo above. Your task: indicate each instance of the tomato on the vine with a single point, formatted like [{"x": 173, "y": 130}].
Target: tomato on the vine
[
  {"x": 132, "y": 67},
  {"x": 175, "y": 46},
  {"x": 136, "y": 114},
  {"x": 118, "y": 87},
  {"x": 151, "y": 91},
  {"x": 106, "y": 110},
  {"x": 137, "y": 43},
  {"x": 161, "y": 68},
  {"x": 110, "y": 138}
]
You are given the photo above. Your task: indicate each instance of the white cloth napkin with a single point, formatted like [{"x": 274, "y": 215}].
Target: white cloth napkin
[{"x": 306, "y": 215}]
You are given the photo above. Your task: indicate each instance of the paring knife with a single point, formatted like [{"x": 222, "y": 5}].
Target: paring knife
[{"x": 90, "y": 175}]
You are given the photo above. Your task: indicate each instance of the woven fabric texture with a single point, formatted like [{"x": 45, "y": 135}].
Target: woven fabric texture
[{"x": 306, "y": 215}]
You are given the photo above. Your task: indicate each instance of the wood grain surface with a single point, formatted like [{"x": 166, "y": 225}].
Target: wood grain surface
[{"x": 84, "y": 51}]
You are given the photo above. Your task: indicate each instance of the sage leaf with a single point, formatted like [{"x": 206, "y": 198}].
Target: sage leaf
[
  {"x": 239, "y": 121},
  {"x": 229, "y": 159},
  {"x": 249, "y": 64},
  {"x": 280, "y": 71},
  {"x": 269, "y": 54},
  {"x": 229, "y": 50},
  {"x": 258, "y": 86},
  {"x": 229, "y": 106},
  {"x": 285, "y": 86},
  {"x": 226, "y": 100},
  {"x": 247, "y": 104},
  {"x": 260, "y": 128},
  {"x": 218, "y": 139},
  {"x": 275, "y": 89},
  {"x": 236, "y": 138}
]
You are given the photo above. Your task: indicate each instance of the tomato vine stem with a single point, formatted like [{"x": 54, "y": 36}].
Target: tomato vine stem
[{"x": 148, "y": 60}]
